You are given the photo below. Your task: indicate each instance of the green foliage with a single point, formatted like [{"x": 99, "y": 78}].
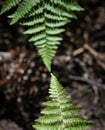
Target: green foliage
[
  {"x": 45, "y": 20},
  {"x": 8, "y": 4},
  {"x": 60, "y": 112}
]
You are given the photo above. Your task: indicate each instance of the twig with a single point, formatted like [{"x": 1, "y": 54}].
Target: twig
[
  {"x": 89, "y": 81},
  {"x": 94, "y": 53},
  {"x": 78, "y": 51},
  {"x": 100, "y": 58}
]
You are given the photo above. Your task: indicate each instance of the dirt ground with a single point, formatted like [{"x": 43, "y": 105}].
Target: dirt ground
[{"x": 79, "y": 65}]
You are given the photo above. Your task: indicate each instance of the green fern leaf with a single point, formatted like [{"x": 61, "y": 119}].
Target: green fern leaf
[
  {"x": 24, "y": 7},
  {"x": 45, "y": 20},
  {"x": 75, "y": 7},
  {"x": 8, "y": 4},
  {"x": 60, "y": 112}
]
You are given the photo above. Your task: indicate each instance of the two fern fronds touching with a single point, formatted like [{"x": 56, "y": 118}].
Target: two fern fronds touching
[
  {"x": 60, "y": 112},
  {"x": 44, "y": 20}
]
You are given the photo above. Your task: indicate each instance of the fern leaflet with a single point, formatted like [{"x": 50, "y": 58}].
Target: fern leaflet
[{"x": 8, "y": 4}]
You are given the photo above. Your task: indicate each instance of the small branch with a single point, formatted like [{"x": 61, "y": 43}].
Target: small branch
[
  {"x": 89, "y": 81},
  {"x": 94, "y": 53},
  {"x": 100, "y": 58},
  {"x": 78, "y": 51}
]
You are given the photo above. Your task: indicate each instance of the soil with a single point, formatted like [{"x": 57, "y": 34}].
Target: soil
[{"x": 79, "y": 65}]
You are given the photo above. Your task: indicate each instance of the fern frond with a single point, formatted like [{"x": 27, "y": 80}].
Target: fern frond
[
  {"x": 60, "y": 112},
  {"x": 45, "y": 20}
]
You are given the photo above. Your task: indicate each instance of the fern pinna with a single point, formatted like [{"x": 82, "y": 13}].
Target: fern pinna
[
  {"x": 60, "y": 112},
  {"x": 45, "y": 20}
]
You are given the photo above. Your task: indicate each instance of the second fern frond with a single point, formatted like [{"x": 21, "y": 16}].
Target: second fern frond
[{"x": 60, "y": 112}]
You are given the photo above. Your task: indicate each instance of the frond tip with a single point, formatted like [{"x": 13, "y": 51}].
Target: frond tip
[{"x": 60, "y": 112}]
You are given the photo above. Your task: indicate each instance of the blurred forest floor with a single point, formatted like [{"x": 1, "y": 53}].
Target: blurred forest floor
[{"x": 79, "y": 65}]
